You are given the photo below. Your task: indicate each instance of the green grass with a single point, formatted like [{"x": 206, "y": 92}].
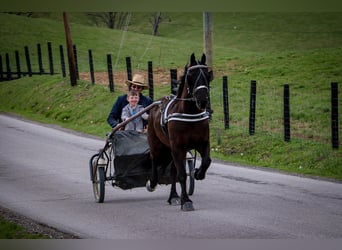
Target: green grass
[
  {"x": 85, "y": 108},
  {"x": 301, "y": 49},
  {"x": 10, "y": 230}
]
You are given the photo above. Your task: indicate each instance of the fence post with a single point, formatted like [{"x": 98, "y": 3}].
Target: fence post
[
  {"x": 150, "y": 80},
  {"x": 110, "y": 73},
  {"x": 1, "y": 70},
  {"x": 40, "y": 60},
  {"x": 287, "y": 128},
  {"x": 76, "y": 62},
  {"x": 129, "y": 68},
  {"x": 91, "y": 66},
  {"x": 252, "y": 108},
  {"x": 225, "y": 102},
  {"x": 174, "y": 82},
  {"x": 334, "y": 115},
  {"x": 17, "y": 60},
  {"x": 50, "y": 58},
  {"x": 28, "y": 61},
  {"x": 61, "y": 53},
  {"x": 8, "y": 67}
]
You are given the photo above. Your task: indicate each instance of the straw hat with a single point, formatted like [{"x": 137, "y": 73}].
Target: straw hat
[{"x": 137, "y": 80}]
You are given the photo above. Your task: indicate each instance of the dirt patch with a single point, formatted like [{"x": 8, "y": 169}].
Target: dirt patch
[{"x": 160, "y": 77}]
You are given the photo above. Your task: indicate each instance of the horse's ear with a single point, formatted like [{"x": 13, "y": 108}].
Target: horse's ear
[
  {"x": 192, "y": 59},
  {"x": 203, "y": 59}
]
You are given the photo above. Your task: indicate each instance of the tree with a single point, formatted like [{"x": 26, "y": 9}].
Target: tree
[
  {"x": 156, "y": 19},
  {"x": 112, "y": 20}
]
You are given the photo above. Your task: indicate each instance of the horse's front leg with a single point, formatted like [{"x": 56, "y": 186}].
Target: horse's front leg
[
  {"x": 174, "y": 198},
  {"x": 199, "y": 173},
  {"x": 186, "y": 203}
]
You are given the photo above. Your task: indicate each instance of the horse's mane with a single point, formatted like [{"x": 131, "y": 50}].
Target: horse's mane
[
  {"x": 182, "y": 80},
  {"x": 182, "y": 83}
]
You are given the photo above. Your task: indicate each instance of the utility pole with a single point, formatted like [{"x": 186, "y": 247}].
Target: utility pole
[
  {"x": 71, "y": 57},
  {"x": 208, "y": 47},
  {"x": 208, "y": 38}
]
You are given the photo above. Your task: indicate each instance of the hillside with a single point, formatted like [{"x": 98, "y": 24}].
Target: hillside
[{"x": 301, "y": 49}]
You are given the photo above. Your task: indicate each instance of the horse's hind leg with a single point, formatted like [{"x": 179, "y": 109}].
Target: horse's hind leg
[
  {"x": 153, "y": 181},
  {"x": 159, "y": 155},
  {"x": 174, "y": 198}
]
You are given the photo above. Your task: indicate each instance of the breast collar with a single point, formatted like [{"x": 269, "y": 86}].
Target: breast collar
[{"x": 182, "y": 117}]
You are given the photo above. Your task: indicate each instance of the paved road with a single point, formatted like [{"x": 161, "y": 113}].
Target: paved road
[{"x": 44, "y": 175}]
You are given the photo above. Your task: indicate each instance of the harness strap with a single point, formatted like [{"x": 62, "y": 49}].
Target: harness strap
[
  {"x": 163, "y": 116},
  {"x": 182, "y": 117},
  {"x": 201, "y": 66},
  {"x": 188, "y": 117}
]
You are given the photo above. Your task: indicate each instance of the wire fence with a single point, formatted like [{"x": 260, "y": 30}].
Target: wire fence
[
  {"x": 276, "y": 109},
  {"x": 281, "y": 110}
]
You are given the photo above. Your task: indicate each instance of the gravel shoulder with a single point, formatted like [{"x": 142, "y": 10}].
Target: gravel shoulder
[{"x": 34, "y": 227}]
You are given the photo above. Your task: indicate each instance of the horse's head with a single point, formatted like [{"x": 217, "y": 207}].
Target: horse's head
[{"x": 197, "y": 78}]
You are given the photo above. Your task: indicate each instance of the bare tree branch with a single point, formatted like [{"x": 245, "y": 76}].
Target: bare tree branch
[
  {"x": 156, "y": 19},
  {"x": 112, "y": 20}
]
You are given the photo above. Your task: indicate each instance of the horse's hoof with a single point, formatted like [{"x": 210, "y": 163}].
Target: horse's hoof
[
  {"x": 175, "y": 201},
  {"x": 187, "y": 206},
  {"x": 148, "y": 186},
  {"x": 193, "y": 173}
]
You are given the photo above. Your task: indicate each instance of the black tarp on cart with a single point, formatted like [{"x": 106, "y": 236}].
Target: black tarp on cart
[{"x": 132, "y": 161}]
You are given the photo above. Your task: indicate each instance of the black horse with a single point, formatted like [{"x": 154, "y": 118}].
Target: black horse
[{"x": 180, "y": 124}]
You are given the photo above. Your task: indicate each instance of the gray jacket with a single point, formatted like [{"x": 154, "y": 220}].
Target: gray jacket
[{"x": 137, "y": 124}]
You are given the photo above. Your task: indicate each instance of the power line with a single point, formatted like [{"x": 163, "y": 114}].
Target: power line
[{"x": 128, "y": 19}]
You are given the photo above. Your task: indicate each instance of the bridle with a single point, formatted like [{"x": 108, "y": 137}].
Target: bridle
[
  {"x": 201, "y": 74},
  {"x": 183, "y": 116},
  {"x": 195, "y": 87}
]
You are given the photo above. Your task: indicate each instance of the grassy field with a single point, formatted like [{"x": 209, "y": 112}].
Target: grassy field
[{"x": 301, "y": 49}]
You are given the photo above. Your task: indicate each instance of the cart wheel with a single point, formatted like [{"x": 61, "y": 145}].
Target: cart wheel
[
  {"x": 191, "y": 181},
  {"x": 98, "y": 181}
]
